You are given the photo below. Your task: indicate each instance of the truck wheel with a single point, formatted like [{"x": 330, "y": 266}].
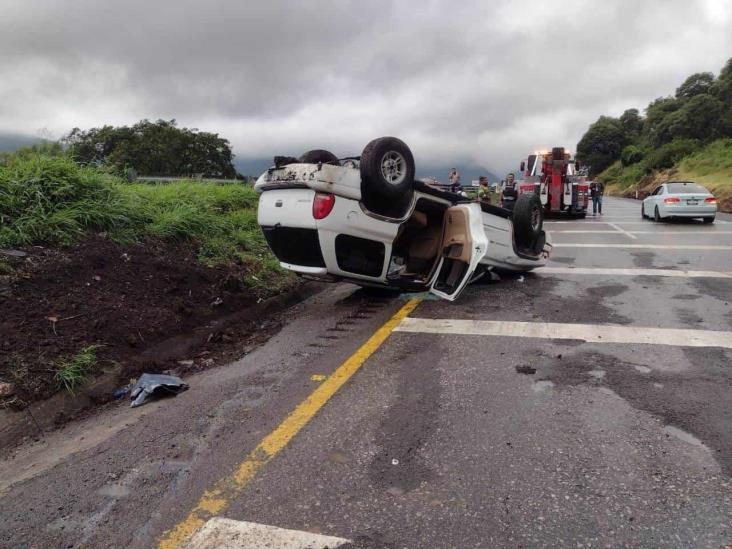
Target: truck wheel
[
  {"x": 387, "y": 175},
  {"x": 280, "y": 161},
  {"x": 317, "y": 156},
  {"x": 528, "y": 220}
]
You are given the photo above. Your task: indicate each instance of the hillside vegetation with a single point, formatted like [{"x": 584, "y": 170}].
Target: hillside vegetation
[
  {"x": 711, "y": 166},
  {"x": 684, "y": 136}
]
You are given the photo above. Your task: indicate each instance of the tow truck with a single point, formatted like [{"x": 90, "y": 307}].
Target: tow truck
[{"x": 561, "y": 183}]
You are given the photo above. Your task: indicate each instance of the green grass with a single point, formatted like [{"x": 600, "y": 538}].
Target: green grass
[
  {"x": 53, "y": 200},
  {"x": 72, "y": 372},
  {"x": 5, "y": 267}
]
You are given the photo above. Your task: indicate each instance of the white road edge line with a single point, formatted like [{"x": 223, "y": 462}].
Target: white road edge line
[
  {"x": 648, "y": 246},
  {"x": 591, "y": 333},
  {"x": 632, "y": 272},
  {"x": 622, "y": 231},
  {"x": 222, "y": 532}
]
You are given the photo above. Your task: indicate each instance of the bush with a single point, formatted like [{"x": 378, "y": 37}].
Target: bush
[
  {"x": 666, "y": 156},
  {"x": 631, "y": 155},
  {"x": 54, "y": 200}
]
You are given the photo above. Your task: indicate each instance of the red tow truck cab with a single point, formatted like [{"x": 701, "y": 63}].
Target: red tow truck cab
[{"x": 559, "y": 181}]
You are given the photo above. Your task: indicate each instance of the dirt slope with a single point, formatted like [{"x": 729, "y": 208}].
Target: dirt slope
[{"x": 130, "y": 301}]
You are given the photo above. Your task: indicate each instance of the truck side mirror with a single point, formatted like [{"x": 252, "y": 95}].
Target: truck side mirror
[{"x": 523, "y": 166}]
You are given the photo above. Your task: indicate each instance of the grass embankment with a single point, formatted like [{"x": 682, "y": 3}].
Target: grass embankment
[
  {"x": 62, "y": 206},
  {"x": 710, "y": 166},
  {"x": 53, "y": 200}
]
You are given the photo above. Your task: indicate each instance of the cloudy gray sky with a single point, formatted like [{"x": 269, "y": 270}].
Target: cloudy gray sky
[{"x": 475, "y": 81}]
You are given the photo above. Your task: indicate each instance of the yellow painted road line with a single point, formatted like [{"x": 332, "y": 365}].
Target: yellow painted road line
[{"x": 219, "y": 497}]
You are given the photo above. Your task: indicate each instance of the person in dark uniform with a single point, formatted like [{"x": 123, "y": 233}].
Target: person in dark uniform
[
  {"x": 597, "y": 189},
  {"x": 509, "y": 194}
]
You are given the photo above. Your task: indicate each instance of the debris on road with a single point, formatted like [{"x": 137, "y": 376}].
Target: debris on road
[
  {"x": 155, "y": 385},
  {"x": 6, "y": 389},
  {"x": 526, "y": 369},
  {"x": 122, "y": 392}
]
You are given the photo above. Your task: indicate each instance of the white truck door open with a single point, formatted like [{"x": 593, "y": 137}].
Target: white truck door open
[{"x": 464, "y": 243}]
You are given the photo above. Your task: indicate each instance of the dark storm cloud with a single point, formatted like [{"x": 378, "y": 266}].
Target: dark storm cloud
[{"x": 475, "y": 80}]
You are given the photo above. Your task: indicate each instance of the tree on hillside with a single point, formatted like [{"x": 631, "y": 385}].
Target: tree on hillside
[
  {"x": 696, "y": 84},
  {"x": 602, "y": 143},
  {"x": 700, "y": 118},
  {"x": 722, "y": 88},
  {"x": 632, "y": 123},
  {"x": 153, "y": 148},
  {"x": 655, "y": 126}
]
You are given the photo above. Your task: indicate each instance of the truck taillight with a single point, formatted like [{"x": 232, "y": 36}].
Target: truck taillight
[
  {"x": 672, "y": 200},
  {"x": 710, "y": 200},
  {"x": 322, "y": 205}
]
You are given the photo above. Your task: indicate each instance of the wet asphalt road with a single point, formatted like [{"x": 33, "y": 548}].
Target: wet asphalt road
[{"x": 439, "y": 440}]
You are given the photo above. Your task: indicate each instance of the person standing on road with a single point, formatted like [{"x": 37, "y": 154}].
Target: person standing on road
[
  {"x": 483, "y": 190},
  {"x": 454, "y": 177},
  {"x": 509, "y": 194},
  {"x": 597, "y": 189}
]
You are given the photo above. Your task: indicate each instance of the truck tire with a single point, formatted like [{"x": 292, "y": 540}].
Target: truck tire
[
  {"x": 280, "y": 161},
  {"x": 317, "y": 156},
  {"x": 387, "y": 175},
  {"x": 528, "y": 220}
]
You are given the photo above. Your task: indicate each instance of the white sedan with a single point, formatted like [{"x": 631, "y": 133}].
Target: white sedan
[
  {"x": 680, "y": 199},
  {"x": 367, "y": 220}
]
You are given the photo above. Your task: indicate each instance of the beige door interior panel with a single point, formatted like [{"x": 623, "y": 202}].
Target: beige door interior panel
[{"x": 456, "y": 241}]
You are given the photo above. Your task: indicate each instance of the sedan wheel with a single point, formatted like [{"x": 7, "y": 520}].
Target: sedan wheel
[{"x": 657, "y": 216}]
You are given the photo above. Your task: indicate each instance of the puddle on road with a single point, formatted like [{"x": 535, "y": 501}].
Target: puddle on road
[
  {"x": 642, "y": 369},
  {"x": 684, "y": 436},
  {"x": 542, "y": 385}
]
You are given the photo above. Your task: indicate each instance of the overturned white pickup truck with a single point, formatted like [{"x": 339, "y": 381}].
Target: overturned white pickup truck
[{"x": 367, "y": 220}]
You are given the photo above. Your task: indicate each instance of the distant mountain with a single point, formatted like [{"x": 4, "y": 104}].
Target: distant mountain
[
  {"x": 468, "y": 172},
  {"x": 253, "y": 167},
  {"x": 10, "y": 142}
]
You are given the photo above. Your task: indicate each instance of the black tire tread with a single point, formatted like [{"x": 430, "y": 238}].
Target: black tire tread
[
  {"x": 525, "y": 233},
  {"x": 317, "y": 156}
]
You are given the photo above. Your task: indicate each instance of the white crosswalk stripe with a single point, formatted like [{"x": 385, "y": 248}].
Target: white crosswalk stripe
[
  {"x": 595, "y": 271},
  {"x": 591, "y": 333},
  {"x": 222, "y": 533},
  {"x": 644, "y": 246}
]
